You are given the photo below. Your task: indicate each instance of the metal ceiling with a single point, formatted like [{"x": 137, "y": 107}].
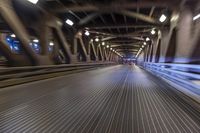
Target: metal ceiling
[{"x": 119, "y": 23}]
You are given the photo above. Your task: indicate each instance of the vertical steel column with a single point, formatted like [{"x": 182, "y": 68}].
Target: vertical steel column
[
  {"x": 84, "y": 49},
  {"x": 44, "y": 30},
  {"x": 94, "y": 50},
  {"x": 184, "y": 36},
  {"x": 101, "y": 53},
  {"x": 64, "y": 43},
  {"x": 9, "y": 15}
]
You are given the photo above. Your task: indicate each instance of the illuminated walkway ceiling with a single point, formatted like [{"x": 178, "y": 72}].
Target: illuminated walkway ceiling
[{"x": 126, "y": 25}]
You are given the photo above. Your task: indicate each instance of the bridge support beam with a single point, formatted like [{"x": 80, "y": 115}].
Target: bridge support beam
[
  {"x": 9, "y": 15},
  {"x": 184, "y": 38}
]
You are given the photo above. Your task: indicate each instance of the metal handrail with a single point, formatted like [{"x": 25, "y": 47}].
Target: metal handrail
[
  {"x": 28, "y": 74},
  {"x": 181, "y": 74},
  {"x": 55, "y": 66},
  {"x": 14, "y": 70},
  {"x": 180, "y": 67}
]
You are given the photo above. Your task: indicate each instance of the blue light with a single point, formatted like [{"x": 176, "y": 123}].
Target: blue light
[
  {"x": 16, "y": 48},
  {"x": 50, "y": 49},
  {"x": 13, "y": 44},
  {"x": 35, "y": 45},
  {"x": 8, "y": 39}
]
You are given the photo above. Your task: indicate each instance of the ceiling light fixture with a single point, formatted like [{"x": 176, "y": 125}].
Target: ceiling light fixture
[
  {"x": 162, "y": 18},
  {"x": 33, "y": 1},
  {"x": 147, "y": 39},
  {"x": 196, "y": 17},
  {"x": 13, "y": 35},
  {"x": 97, "y": 39},
  {"x": 153, "y": 32},
  {"x": 51, "y": 44},
  {"x": 107, "y": 46},
  {"x": 144, "y": 43},
  {"x": 103, "y": 43},
  {"x": 69, "y": 22},
  {"x": 36, "y": 40},
  {"x": 87, "y": 33}
]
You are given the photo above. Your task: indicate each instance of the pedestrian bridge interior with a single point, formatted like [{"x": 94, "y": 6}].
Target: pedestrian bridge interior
[{"x": 99, "y": 66}]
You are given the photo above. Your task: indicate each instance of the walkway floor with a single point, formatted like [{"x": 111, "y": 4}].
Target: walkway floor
[{"x": 117, "y": 99}]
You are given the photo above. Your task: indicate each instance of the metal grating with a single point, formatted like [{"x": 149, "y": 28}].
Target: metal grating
[{"x": 118, "y": 99}]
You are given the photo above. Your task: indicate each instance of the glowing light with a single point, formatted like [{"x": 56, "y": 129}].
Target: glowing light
[
  {"x": 153, "y": 32},
  {"x": 107, "y": 46},
  {"x": 147, "y": 39},
  {"x": 8, "y": 39},
  {"x": 36, "y": 40},
  {"x": 196, "y": 17},
  {"x": 162, "y": 18},
  {"x": 13, "y": 35},
  {"x": 142, "y": 46},
  {"x": 35, "y": 45},
  {"x": 97, "y": 39},
  {"x": 33, "y": 1},
  {"x": 110, "y": 48},
  {"x": 103, "y": 43},
  {"x": 51, "y": 44},
  {"x": 144, "y": 43},
  {"x": 69, "y": 22},
  {"x": 87, "y": 33}
]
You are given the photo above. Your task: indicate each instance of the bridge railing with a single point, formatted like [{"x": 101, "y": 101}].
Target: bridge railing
[
  {"x": 18, "y": 75},
  {"x": 184, "y": 75}
]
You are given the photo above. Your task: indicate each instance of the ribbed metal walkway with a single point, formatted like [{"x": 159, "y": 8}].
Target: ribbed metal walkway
[{"x": 118, "y": 99}]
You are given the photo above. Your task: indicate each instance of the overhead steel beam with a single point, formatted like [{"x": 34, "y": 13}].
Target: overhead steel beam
[
  {"x": 107, "y": 38},
  {"x": 122, "y": 44},
  {"x": 88, "y": 18},
  {"x": 132, "y": 36},
  {"x": 113, "y": 18},
  {"x": 121, "y": 41},
  {"x": 125, "y": 46},
  {"x": 114, "y": 7},
  {"x": 138, "y": 11},
  {"x": 75, "y": 15},
  {"x": 71, "y": 12},
  {"x": 121, "y": 26},
  {"x": 139, "y": 16},
  {"x": 136, "y": 48},
  {"x": 115, "y": 21},
  {"x": 152, "y": 10},
  {"x": 135, "y": 35},
  {"x": 104, "y": 22},
  {"x": 101, "y": 33},
  {"x": 125, "y": 20},
  {"x": 125, "y": 50}
]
